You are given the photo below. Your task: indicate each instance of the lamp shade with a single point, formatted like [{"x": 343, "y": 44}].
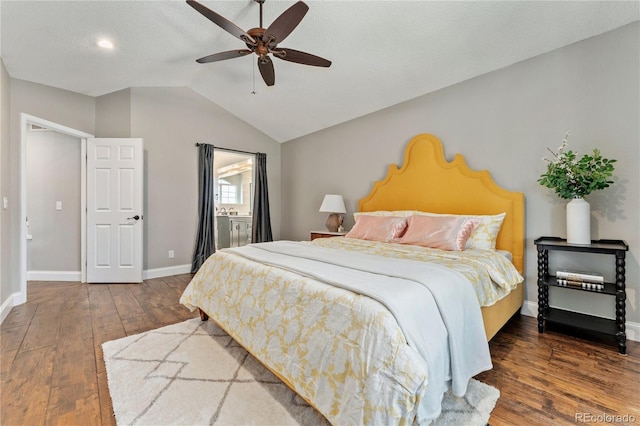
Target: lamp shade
[{"x": 333, "y": 204}]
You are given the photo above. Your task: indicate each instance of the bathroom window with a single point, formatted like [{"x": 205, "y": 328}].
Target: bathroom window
[{"x": 228, "y": 192}]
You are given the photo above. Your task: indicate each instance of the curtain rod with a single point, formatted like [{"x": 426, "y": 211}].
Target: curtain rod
[{"x": 229, "y": 149}]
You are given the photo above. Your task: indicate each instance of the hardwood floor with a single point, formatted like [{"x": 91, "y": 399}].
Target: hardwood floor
[
  {"x": 52, "y": 372},
  {"x": 51, "y": 367},
  {"x": 556, "y": 379}
]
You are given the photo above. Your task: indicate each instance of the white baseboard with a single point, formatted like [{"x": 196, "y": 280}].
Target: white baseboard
[
  {"x": 530, "y": 309},
  {"x": 633, "y": 331},
  {"x": 13, "y": 300},
  {"x": 77, "y": 275},
  {"x": 166, "y": 272},
  {"x": 54, "y": 276}
]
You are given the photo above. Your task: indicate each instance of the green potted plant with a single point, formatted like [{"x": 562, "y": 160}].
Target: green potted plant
[{"x": 574, "y": 178}]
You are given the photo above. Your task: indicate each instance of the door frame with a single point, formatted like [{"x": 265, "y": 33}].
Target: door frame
[{"x": 25, "y": 121}]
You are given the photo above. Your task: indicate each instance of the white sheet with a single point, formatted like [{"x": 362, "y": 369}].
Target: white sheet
[{"x": 415, "y": 292}]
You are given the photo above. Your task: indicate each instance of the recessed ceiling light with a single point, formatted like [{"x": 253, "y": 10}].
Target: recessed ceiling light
[{"x": 106, "y": 44}]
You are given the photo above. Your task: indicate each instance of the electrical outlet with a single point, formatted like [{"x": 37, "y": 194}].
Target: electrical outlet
[
  {"x": 58, "y": 205},
  {"x": 171, "y": 254}
]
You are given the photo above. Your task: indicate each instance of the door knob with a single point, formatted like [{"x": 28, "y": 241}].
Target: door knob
[{"x": 136, "y": 217}]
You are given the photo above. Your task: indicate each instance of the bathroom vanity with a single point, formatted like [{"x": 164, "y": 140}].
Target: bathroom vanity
[{"x": 233, "y": 230}]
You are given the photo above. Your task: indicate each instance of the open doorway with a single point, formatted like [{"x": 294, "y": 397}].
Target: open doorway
[
  {"x": 26, "y": 121},
  {"x": 53, "y": 205},
  {"x": 233, "y": 175}
]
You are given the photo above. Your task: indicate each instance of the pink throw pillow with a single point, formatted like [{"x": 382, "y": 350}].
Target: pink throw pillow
[
  {"x": 441, "y": 232},
  {"x": 377, "y": 228}
]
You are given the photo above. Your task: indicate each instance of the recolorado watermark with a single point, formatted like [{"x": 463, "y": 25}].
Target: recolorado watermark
[{"x": 604, "y": 418}]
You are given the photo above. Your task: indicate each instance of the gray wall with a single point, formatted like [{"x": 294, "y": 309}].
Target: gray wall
[
  {"x": 171, "y": 121},
  {"x": 53, "y": 174},
  {"x": 6, "y": 288},
  {"x": 113, "y": 115},
  {"x": 502, "y": 121}
]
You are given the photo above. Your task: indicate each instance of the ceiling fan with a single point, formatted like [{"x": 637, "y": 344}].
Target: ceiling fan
[{"x": 263, "y": 41}]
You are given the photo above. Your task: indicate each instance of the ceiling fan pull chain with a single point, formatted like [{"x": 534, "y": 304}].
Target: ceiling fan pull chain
[{"x": 253, "y": 68}]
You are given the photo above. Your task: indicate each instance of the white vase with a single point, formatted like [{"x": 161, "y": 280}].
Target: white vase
[{"x": 578, "y": 221}]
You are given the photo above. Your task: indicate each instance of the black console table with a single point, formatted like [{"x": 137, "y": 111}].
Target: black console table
[{"x": 591, "y": 323}]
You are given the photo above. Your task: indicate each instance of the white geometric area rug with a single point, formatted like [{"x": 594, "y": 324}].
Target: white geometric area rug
[{"x": 193, "y": 373}]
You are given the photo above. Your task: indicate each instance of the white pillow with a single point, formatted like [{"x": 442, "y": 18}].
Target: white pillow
[{"x": 394, "y": 213}]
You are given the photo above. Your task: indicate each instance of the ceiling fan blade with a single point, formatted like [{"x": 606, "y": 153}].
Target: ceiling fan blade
[
  {"x": 299, "y": 57},
  {"x": 266, "y": 70},
  {"x": 222, "y": 22},
  {"x": 230, "y": 54},
  {"x": 285, "y": 23}
]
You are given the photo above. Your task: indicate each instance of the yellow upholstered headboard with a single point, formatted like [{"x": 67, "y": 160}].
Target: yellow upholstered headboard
[{"x": 428, "y": 182}]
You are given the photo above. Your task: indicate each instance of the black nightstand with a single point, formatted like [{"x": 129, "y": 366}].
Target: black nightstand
[{"x": 590, "y": 323}]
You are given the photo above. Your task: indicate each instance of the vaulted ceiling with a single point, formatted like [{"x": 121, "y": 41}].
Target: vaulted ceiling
[{"x": 383, "y": 52}]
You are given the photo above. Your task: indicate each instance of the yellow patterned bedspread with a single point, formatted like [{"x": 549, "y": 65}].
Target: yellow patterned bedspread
[{"x": 343, "y": 352}]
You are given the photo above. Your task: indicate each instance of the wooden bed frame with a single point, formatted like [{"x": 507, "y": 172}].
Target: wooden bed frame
[{"x": 428, "y": 182}]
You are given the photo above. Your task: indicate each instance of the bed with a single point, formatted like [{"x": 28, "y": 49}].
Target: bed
[{"x": 366, "y": 331}]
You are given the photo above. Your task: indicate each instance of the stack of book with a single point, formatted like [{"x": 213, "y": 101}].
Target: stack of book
[{"x": 584, "y": 280}]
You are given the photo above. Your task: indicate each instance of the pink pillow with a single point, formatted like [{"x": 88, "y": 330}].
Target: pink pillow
[
  {"x": 441, "y": 232},
  {"x": 377, "y": 228}
]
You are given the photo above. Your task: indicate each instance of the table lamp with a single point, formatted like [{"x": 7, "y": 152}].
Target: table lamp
[{"x": 333, "y": 204}]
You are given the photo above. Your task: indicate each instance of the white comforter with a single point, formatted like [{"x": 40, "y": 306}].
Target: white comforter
[{"x": 435, "y": 307}]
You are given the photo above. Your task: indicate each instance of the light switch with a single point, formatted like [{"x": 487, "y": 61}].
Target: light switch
[
  {"x": 58, "y": 205},
  {"x": 5, "y": 203}
]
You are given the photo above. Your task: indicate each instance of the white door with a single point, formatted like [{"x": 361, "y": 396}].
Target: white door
[{"x": 114, "y": 210}]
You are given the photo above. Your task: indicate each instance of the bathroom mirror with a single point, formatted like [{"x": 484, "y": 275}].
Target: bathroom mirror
[{"x": 233, "y": 184}]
